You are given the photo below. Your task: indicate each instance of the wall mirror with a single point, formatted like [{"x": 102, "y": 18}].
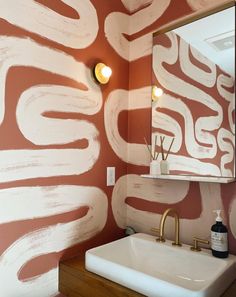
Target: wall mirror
[{"x": 193, "y": 62}]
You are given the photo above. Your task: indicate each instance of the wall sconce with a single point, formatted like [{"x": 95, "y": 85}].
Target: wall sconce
[
  {"x": 156, "y": 93},
  {"x": 102, "y": 73}
]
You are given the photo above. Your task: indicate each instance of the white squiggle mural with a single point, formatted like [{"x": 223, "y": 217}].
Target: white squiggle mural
[
  {"x": 117, "y": 24},
  {"x": 44, "y": 201},
  {"x": 228, "y": 82},
  {"x": 118, "y": 101},
  {"x": 51, "y": 239},
  {"x": 200, "y": 4},
  {"x": 162, "y": 191},
  {"x": 171, "y": 82},
  {"x": 45, "y": 131},
  {"x": 133, "y": 5},
  {"x": 169, "y": 192},
  {"x": 39, "y": 19},
  {"x": 203, "y": 125},
  {"x": 210, "y": 195},
  {"x": 232, "y": 216},
  {"x": 206, "y": 78},
  {"x": 38, "y": 100},
  {"x": 171, "y": 125},
  {"x": 18, "y": 51},
  {"x": 196, "y": 166},
  {"x": 166, "y": 122},
  {"x": 27, "y": 164},
  {"x": 224, "y": 139}
]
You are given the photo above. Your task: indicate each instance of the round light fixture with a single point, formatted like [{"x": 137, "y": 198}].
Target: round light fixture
[{"x": 102, "y": 73}]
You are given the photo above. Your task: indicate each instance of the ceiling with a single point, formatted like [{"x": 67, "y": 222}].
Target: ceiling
[{"x": 214, "y": 37}]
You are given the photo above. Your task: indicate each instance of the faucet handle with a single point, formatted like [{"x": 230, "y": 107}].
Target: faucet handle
[
  {"x": 159, "y": 238},
  {"x": 195, "y": 246},
  {"x": 156, "y": 230}
]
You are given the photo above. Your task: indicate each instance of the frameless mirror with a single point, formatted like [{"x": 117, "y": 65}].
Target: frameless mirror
[{"x": 194, "y": 65}]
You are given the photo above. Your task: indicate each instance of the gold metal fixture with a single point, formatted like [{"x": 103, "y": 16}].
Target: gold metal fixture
[
  {"x": 102, "y": 73},
  {"x": 157, "y": 231},
  {"x": 195, "y": 246},
  {"x": 162, "y": 225}
]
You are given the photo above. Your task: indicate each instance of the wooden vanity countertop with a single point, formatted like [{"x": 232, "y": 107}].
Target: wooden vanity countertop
[{"x": 76, "y": 281}]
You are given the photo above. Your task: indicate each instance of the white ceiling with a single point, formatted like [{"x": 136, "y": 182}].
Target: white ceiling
[{"x": 197, "y": 33}]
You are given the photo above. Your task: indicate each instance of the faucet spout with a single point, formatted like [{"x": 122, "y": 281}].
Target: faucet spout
[{"x": 162, "y": 226}]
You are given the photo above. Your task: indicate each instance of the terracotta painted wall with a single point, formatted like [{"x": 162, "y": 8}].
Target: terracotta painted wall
[
  {"x": 59, "y": 131},
  {"x": 54, "y": 147}
]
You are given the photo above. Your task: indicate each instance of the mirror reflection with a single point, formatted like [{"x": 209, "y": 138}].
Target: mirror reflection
[{"x": 193, "y": 121}]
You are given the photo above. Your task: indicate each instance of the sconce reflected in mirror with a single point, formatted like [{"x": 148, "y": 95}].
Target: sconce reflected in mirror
[
  {"x": 156, "y": 93},
  {"x": 102, "y": 73}
]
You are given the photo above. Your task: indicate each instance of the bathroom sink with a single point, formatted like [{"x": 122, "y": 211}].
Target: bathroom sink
[{"x": 160, "y": 269}]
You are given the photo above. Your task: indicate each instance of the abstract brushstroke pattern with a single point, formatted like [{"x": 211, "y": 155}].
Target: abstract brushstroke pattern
[
  {"x": 17, "y": 52},
  {"x": 133, "y": 5},
  {"x": 232, "y": 216},
  {"x": 57, "y": 139},
  {"x": 188, "y": 90},
  {"x": 146, "y": 189},
  {"x": 118, "y": 101},
  {"x": 201, "y": 4},
  {"x": 163, "y": 192},
  {"x": 45, "y": 115},
  {"x": 37, "y": 18},
  {"x": 118, "y": 24},
  {"x": 48, "y": 201}
]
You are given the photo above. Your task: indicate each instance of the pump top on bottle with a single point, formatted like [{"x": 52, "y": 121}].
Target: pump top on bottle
[
  {"x": 219, "y": 237},
  {"x": 218, "y": 218}
]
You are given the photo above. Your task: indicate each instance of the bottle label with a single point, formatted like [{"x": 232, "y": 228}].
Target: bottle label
[{"x": 219, "y": 241}]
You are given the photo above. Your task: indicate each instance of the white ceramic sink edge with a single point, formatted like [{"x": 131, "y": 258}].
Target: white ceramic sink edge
[
  {"x": 159, "y": 269},
  {"x": 134, "y": 280}
]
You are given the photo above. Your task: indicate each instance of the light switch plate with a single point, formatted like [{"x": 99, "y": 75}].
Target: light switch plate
[{"x": 110, "y": 176}]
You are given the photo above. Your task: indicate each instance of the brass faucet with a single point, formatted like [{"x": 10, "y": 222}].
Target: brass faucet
[{"x": 162, "y": 225}]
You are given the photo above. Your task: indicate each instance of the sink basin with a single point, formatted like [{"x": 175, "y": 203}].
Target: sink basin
[{"x": 160, "y": 269}]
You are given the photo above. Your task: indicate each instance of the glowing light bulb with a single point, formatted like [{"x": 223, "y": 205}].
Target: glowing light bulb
[
  {"x": 106, "y": 71},
  {"x": 156, "y": 93},
  {"x": 102, "y": 73}
]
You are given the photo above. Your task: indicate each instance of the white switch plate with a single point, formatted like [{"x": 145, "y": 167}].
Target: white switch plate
[{"x": 110, "y": 176}]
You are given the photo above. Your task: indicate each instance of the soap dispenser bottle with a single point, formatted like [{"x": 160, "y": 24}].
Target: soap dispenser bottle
[{"x": 219, "y": 238}]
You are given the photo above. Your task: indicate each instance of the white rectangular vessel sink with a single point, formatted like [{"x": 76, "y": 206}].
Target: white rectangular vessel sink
[{"x": 160, "y": 269}]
